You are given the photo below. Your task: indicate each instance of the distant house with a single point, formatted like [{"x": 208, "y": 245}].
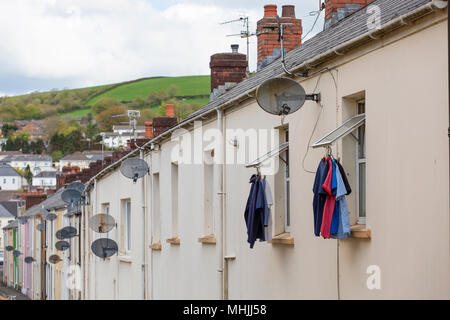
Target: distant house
[
  {"x": 10, "y": 179},
  {"x": 76, "y": 159},
  {"x": 37, "y": 163},
  {"x": 5, "y": 218},
  {"x": 127, "y": 130},
  {"x": 121, "y": 135},
  {"x": 45, "y": 179},
  {"x": 35, "y": 129},
  {"x": 94, "y": 155}
]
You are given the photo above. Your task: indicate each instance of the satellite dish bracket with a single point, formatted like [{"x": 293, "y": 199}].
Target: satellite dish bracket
[{"x": 313, "y": 97}]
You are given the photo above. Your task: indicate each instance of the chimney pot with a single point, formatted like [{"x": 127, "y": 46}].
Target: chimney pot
[
  {"x": 270, "y": 10},
  {"x": 288, "y": 11},
  {"x": 235, "y": 48}
]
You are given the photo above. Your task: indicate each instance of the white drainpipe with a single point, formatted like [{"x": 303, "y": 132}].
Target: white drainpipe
[{"x": 221, "y": 227}]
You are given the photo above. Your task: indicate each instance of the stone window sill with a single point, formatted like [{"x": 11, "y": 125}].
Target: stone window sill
[
  {"x": 174, "y": 241},
  {"x": 283, "y": 239},
  {"x": 360, "y": 231},
  {"x": 209, "y": 239},
  {"x": 156, "y": 246}
]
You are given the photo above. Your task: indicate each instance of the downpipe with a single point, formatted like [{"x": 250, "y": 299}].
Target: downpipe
[{"x": 220, "y": 193}]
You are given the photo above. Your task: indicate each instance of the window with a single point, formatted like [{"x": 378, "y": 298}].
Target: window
[
  {"x": 126, "y": 227},
  {"x": 13, "y": 180},
  {"x": 105, "y": 208},
  {"x": 281, "y": 188},
  {"x": 208, "y": 202},
  {"x": 156, "y": 219},
  {"x": 174, "y": 200},
  {"x": 361, "y": 167},
  {"x": 286, "y": 185},
  {"x": 4, "y": 181}
]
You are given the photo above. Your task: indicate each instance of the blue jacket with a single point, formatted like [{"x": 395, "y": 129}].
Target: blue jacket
[{"x": 255, "y": 211}]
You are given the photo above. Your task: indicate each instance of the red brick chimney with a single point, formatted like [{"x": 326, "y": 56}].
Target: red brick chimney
[
  {"x": 170, "y": 110},
  {"x": 269, "y": 48},
  {"x": 228, "y": 67},
  {"x": 336, "y": 10},
  {"x": 148, "y": 129}
]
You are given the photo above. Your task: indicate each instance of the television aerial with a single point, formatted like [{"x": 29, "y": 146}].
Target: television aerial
[
  {"x": 134, "y": 168},
  {"x": 282, "y": 96},
  {"x": 29, "y": 260},
  {"x": 71, "y": 196},
  {"x": 102, "y": 223},
  {"x": 54, "y": 259},
  {"x": 40, "y": 227},
  {"x": 62, "y": 245},
  {"x": 16, "y": 253},
  {"x": 104, "y": 248}
]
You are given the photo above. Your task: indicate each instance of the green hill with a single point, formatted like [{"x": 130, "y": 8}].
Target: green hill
[
  {"x": 75, "y": 103},
  {"x": 191, "y": 87}
]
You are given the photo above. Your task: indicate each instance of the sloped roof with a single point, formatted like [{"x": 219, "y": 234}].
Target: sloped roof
[
  {"x": 46, "y": 174},
  {"x": 7, "y": 171},
  {"x": 4, "y": 213},
  {"x": 75, "y": 156},
  {"x": 53, "y": 202},
  {"x": 11, "y": 206},
  {"x": 27, "y": 157},
  {"x": 347, "y": 29},
  {"x": 13, "y": 225}
]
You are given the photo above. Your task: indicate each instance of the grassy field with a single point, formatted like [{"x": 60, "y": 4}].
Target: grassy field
[{"x": 188, "y": 86}]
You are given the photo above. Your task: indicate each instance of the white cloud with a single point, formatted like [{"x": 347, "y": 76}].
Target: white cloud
[{"x": 89, "y": 42}]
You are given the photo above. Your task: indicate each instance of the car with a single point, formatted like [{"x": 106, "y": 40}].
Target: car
[{"x": 1, "y": 258}]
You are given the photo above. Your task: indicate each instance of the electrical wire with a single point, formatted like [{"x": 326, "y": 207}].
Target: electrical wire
[{"x": 308, "y": 146}]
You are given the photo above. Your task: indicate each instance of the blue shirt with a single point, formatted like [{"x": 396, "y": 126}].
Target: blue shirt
[{"x": 344, "y": 220}]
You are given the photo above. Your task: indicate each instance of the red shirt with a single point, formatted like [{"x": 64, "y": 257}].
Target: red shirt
[{"x": 329, "y": 203}]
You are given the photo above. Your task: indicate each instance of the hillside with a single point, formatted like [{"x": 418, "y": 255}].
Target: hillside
[{"x": 75, "y": 103}]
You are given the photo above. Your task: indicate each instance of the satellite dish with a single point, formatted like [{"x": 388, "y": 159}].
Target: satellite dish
[
  {"x": 134, "y": 168},
  {"x": 70, "y": 196},
  {"x": 102, "y": 223},
  {"x": 69, "y": 232},
  {"x": 9, "y": 248},
  {"x": 40, "y": 227},
  {"x": 76, "y": 186},
  {"x": 29, "y": 260},
  {"x": 59, "y": 235},
  {"x": 282, "y": 96},
  {"x": 16, "y": 253},
  {"x": 50, "y": 216},
  {"x": 54, "y": 259},
  {"x": 62, "y": 245},
  {"x": 104, "y": 248},
  {"x": 22, "y": 220}
]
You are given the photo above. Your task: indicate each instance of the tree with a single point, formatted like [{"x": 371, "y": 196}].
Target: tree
[
  {"x": 57, "y": 155},
  {"x": 172, "y": 90},
  {"x": 8, "y": 129},
  {"x": 104, "y": 104},
  {"x": 106, "y": 119}
]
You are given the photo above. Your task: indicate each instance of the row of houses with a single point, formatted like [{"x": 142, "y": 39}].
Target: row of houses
[{"x": 180, "y": 229}]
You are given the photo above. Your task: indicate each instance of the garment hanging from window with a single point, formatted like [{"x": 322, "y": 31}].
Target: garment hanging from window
[
  {"x": 255, "y": 211},
  {"x": 331, "y": 216}
]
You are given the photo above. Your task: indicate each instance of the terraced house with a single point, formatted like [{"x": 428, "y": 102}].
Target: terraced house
[{"x": 181, "y": 231}]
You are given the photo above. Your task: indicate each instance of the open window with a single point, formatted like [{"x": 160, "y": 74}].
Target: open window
[{"x": 353, "y": 135}]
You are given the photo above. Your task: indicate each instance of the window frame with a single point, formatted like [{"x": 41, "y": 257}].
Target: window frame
[
  {"x": 287, "y": 185},
  {"x": 359, "y": 161}
]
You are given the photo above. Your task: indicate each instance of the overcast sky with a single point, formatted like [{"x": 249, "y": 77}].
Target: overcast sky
[{"x": 48, "y": 44}]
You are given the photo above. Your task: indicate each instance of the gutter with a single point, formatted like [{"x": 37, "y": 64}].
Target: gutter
[{"x": 336, "y": 51}]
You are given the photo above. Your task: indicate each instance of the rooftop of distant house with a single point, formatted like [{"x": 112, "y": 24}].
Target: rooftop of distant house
[
  {"x": 7, "y": 171},
  {"x": 27, "y": 157},
  {"x": 76, "y": 156},
  {"x": 46, "y": 174},
  {"x": 128, "y": 128}
]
